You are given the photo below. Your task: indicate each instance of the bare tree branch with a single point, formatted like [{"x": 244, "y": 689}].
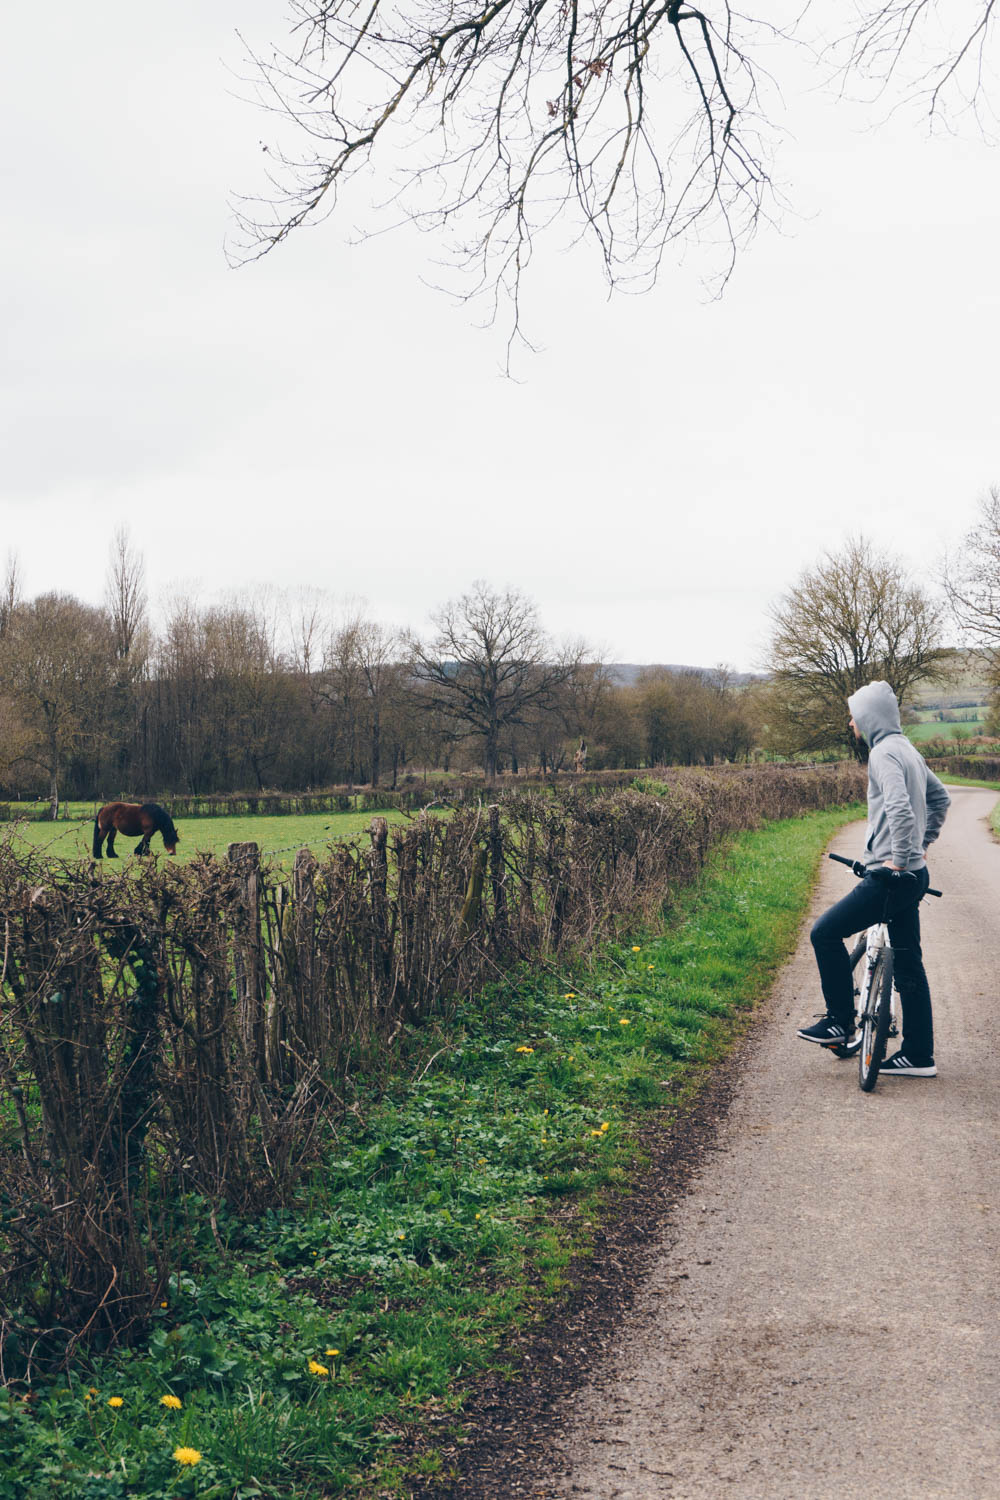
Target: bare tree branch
[
  {"x": 634, "y": 123},
  {"x": 497, "y": 116}
]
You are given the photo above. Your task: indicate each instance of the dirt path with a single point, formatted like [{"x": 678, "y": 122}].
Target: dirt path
[{"x": 823, "y": 1318}]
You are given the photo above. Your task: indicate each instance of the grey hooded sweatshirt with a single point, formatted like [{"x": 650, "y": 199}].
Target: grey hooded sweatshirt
[{"x": 906, "y": 801}]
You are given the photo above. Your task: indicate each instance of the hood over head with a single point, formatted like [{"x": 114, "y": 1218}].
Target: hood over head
[{"x": 875, "y": 711}]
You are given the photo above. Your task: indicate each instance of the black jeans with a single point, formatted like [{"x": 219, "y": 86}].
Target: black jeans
[{"x": 896, "y": 902}]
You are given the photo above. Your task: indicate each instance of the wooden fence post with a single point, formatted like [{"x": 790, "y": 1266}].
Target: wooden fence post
[
  {"x": 247, "y": 956},
  {"x": 498, "y": 877},
  {"x": 381, "y": 957},
  {"x": 304, "y": 870}
]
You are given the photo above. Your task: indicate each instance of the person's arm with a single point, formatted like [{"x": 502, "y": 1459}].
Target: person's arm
[
  {"x": 938, "y": 803},
  {"x": 898, "y": 810}
]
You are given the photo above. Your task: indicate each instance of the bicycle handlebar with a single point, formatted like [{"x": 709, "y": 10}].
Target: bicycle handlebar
[{"x": 861, "y": 871}]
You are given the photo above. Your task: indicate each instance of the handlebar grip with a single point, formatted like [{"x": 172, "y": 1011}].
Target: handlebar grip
[
  {"x": 859, "y": 870},
  {"x": 852, "y": 864}
]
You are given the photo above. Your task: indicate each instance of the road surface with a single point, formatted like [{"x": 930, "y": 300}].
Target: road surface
[{"x": 823, "y": 1323}]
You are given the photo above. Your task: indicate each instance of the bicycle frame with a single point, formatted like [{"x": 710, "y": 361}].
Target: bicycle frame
[{"x": 876, "y": 942}]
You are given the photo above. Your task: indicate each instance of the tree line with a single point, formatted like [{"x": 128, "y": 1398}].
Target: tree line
[{"x": 275, "y": 691}]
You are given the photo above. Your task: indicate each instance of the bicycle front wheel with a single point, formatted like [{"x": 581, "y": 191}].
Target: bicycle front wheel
[{"x": 875, "y": 1021}]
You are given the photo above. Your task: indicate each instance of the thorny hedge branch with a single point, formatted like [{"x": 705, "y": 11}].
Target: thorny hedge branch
[{"x": 194, "y": 1028}]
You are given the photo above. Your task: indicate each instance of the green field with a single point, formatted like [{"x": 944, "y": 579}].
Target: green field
[
  {"x": 963, "y": 678},
  {"x": 278, "y": 837},
  {"x": 930, "y": 729}
]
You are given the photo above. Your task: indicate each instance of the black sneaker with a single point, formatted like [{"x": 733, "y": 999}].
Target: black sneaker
[
  {"x": 900, "y": 1066},
  {"x": 828, "y": 1033}
]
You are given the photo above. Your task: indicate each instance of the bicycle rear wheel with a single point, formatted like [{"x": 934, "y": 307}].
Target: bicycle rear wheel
[{"x": 875, "y": 1021}]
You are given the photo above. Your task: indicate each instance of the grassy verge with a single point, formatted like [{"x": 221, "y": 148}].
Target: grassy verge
[
  {"x": 294, "y": 1351},
  {"x": 993, "y": 786}
]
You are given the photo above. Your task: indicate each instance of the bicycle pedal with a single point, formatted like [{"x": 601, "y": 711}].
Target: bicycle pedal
[{"x": 843, "y": 1050}]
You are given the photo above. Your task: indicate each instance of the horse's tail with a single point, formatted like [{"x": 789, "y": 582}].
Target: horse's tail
[{"x": 97, "y": 837}]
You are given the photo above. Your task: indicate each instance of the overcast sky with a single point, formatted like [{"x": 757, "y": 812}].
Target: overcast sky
[{"x": 660, "y": 472}]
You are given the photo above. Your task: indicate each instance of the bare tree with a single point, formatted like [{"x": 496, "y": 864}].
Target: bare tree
[
  {"x": 854, "y": 618},
  {"x": 972, "y": 583},
  {"x": 378, "y": 653},
  {"x": 10, "y": 594},
  {"x": 942, "y": 61},
  {"x": 125, "y": 596},
  {"x": 634, "y": 124},
  {"x": 125, "y": 602},
  {"x": 488, "y": 666},
  {"x": 55, "y": 666}
]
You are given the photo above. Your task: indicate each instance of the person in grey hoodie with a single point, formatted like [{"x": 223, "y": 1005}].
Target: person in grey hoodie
[{"x": 906, "y": 807}]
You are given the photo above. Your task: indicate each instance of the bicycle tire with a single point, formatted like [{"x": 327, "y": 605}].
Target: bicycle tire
[{"x": 875, "y": 1022}]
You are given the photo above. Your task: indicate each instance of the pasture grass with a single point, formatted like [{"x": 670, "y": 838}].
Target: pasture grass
[
  {"x": 279, "y": 837},
  {"x": 444, "y": 1218},
  {"x": 932, "y": 729}
]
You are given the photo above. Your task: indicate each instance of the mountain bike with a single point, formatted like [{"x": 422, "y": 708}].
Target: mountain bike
[{"x": 877, "y": 1012}]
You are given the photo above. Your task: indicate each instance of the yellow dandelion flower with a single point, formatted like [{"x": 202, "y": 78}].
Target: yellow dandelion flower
[
  {"x": 636, "y": 948},
  {"x": 163, "y": 1304},
  {"x": 545, "y": 1111},
  {"x": 570, "y": 996},
  {"x": 481, "y": 1162},
  {"x": 331, "y": 1353},
  {"x": 401, "y": 1235},
  {"x": 650, "y": 966},
  {"x": 317, "y": 1369},
  {"x": 624, "y": 1021},
  {"x": 571, "y": 1057},
  {"x": 93, "y": 1390},
  {"x": 606, "y": 1125},
  {"x": 597, "y": 1132},
  {"x": 524, "y": 1049},
  {"x": 187, "y": 1455},
  {"x": 88, "y": 1397},
  {"x": 174, "y": 1402},
  {"x": 115, "y": 1401}
]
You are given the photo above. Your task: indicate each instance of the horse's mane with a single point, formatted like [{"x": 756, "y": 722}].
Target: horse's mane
[{"x": 163, "y": 821}]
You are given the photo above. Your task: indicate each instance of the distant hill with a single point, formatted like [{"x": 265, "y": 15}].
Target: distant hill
[
  {"x": 962, "y": 679},
  {"x": 625, "y": 673}
]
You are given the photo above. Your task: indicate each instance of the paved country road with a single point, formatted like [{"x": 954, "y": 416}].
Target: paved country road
[{"x": 822, "y": 1323}]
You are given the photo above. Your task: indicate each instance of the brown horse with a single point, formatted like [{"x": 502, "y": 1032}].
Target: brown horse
[{"x": 132, "y": 818}]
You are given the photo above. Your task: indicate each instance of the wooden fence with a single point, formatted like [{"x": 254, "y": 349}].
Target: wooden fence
[{"x": 187, "y": 1027}]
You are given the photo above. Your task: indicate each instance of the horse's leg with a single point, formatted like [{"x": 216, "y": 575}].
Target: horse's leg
[
  {"x": 142, "y": 847},
  {"x": 110, "y": 848},
  {"x": 98, "y": 839}
]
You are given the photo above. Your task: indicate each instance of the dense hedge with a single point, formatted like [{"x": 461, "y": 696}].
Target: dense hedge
[
  {"x": 457, "y": 791},
  {"x": 976, "y": 767},
  {"x": 175, "y": 1027}
]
